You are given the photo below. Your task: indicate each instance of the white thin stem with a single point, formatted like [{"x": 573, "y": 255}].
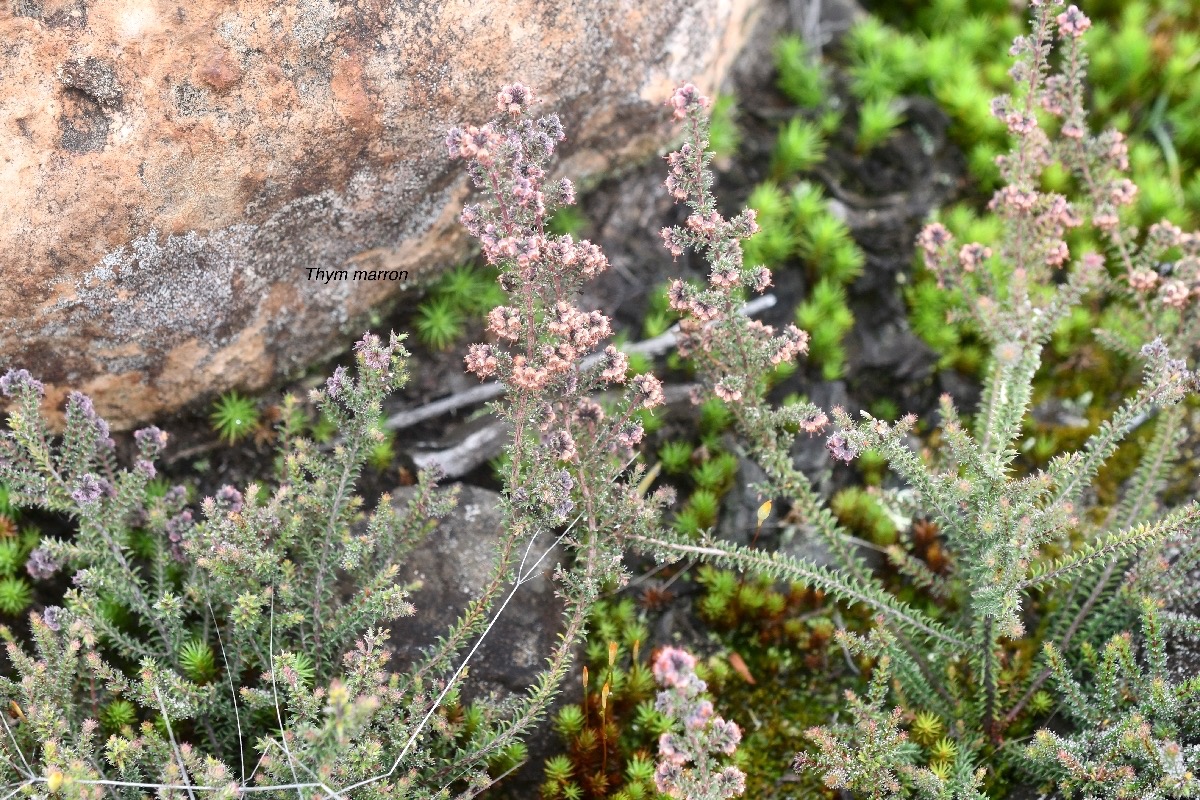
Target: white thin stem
[
  {"x": 174, "y": 744},
  {"x": 17, "y": 747},
  {"x": 275, "y": 693},
  {"x": 232, "y": 691}
]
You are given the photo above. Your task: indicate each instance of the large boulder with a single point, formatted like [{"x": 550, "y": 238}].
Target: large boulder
[{"x": 175, "y": 174}]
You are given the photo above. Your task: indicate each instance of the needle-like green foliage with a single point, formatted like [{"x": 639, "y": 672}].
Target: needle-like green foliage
[{"x": 234, "y": 417}]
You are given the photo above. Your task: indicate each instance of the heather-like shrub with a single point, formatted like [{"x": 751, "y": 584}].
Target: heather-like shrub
[
  {"x": 1138, "y": 728},
  {"x": 194, "y": 641},
  {"x": 1002, "y": 529}
]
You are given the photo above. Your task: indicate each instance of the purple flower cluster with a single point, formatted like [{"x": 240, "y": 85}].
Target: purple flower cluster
[
  {"x": 840, "y": 447},
  {"x": 687, "y": 767},
  {"x": 52, "y": 616},
  {"x": 81, "y": 415},
  {"x": 152, "y": 440},
  {"x": 373, "y": 352},
  {"x": 337, "y": 383},
  {"x": 41, "y": 565},
  {"x": 177, "y": 529},
  {"x": 88, "y": 490},
  {"x": 229, "y": 498},
  {"x": 13, "y": 382}
]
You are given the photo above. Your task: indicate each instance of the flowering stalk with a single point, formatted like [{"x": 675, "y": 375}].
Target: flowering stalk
[
  {"x": 688, "y": 765},
  {"x": 567, "y": 463},
  {"x": 734, "y": 356}
]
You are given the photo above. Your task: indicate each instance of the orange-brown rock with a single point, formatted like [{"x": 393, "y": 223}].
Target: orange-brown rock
[{"x": 171, "y": 171}]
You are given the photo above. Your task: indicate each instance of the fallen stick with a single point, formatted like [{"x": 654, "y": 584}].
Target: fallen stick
[{"x": 483, "y": 444}]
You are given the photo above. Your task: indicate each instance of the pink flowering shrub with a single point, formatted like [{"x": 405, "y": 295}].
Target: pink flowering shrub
[
  {"x": 540, "y": 341},
  {"x": 1157, "y": 275},
  {"x": 687, "y": 754},
  {"x": 999, "y": 529}
]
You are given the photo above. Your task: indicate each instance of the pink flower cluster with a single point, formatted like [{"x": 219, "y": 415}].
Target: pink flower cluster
[
  {"x": 1072, "y": 23},
  {"x": 584, "y": 330},
  {"x": 687, "y": 767},
  {"x": 481, "y": 360},
  {"x": 685, "y": 99},
  {"x": 513, "y": 99},
  {"x": 540, "y": 341},
  {"x": 647, "y": 391},
  {"x": 680, "y": 170},
  {"x": 477, "y": 144},
  {"x": 505, "y": 322},
  {"x": 732, "y": 352},
  {"x": 614, "y": 365},
  {"x": 972, "y": 256},
  {"x": 674, "y": 667}
]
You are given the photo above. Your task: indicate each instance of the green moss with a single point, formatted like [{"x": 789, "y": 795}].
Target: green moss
[
  {"x": 826, "y": 243},
  {"x": 439, "y": 323},
  {"x": 650, "y": 421},
  {"x": 383, "y": 452},
  {"x": 800, "y": 146},
  {"x": 716, "y": 474},
  {"x": 639, "y": 362},
  {"x": 878, "y": 119},
  {"x": 675, "y": 456},
  {"x": 198, "y": 661},
  {"x": 827, "y": 318},
  {"x": 569, "y": 720},
  {"x": 12, "y": 557},
  {"x": 863, "y": 514},
  {"x": 807, "y": 201},
  {"x": 610, "y": 735},
  {"x": 801, "y": 76},
  {"x": 509, "y": 758},
  {"x": 234, "y": 417},
  {"x": 118, "y": 714},
  {"x": 7, "y": 509},
  {"x": 715, "y": 416},
  {"x": 567, "y": 220},
  {"x": 724, "y": 137},
  {"x": 872, "y": 464},
  {"x": 773, "y": 714},
  {"x": 705, "y": 505},
  {"x": 15, "y": 596}
]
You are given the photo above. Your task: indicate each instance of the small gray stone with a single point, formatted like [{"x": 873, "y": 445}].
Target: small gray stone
[{"x": 453, "y": 564}]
